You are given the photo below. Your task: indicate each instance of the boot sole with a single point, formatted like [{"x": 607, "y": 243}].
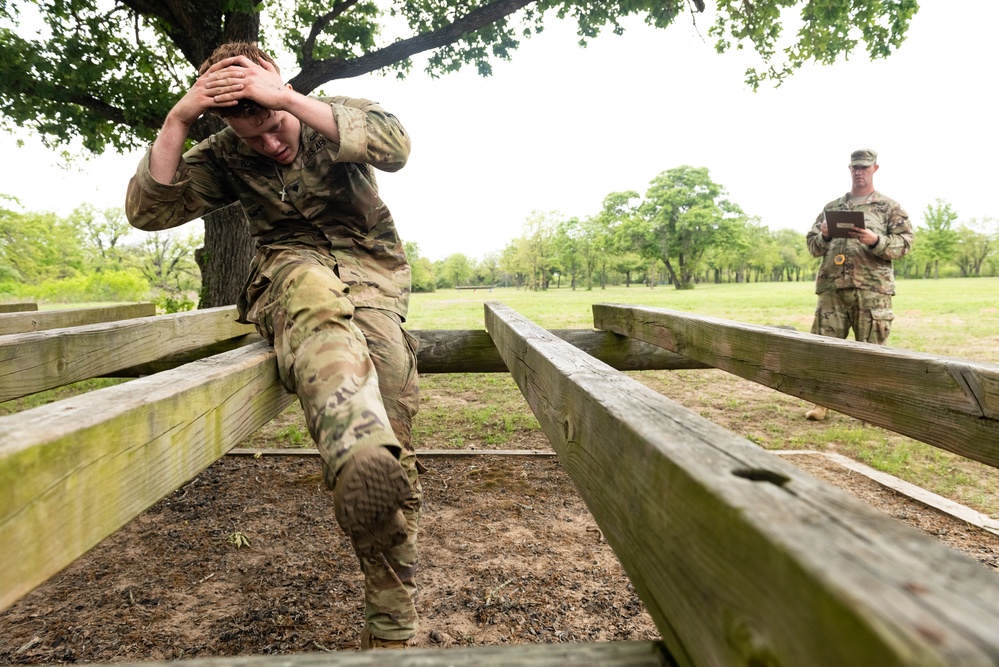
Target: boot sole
[{"x": 368, "y": 498}]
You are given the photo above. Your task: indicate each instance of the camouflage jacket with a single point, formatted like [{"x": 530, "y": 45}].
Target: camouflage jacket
[
  {"x": 861, "y": 266},
  {"x": 330, "y": 201}
]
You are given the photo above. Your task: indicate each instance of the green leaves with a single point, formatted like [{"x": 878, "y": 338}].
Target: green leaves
[
  {"x": 107, "y": 73},
  {"x": 826, "y": 31},
  {"x": 683, "y": 215},
  {"x": 80, "y": 76}
]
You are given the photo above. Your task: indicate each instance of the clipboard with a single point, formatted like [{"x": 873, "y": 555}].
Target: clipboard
[{"x": 841, "y": 222}]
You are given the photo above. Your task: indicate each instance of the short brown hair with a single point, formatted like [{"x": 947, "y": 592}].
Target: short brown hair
[{"x": 245, "y": 108}]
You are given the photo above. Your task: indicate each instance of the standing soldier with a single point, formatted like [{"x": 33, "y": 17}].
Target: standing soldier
[
  {"x": 856, "y": 280},
  {"x": 329, "y": 288}
]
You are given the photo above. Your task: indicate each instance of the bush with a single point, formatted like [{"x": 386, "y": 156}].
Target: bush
[
  {"x": 173, "y": 302},
  {"x": 116, "y": 285}
]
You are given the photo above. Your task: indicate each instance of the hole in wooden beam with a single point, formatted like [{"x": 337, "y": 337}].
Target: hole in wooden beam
[{"x": 761, "y": 475}]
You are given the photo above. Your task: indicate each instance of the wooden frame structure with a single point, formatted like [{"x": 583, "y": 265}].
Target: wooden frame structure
[{"x": 740, "y": 558}]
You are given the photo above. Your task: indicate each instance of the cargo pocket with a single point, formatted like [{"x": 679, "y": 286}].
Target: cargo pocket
[
  {"x": 255, "y": 295},
  {"x": 881, "y": 319}
]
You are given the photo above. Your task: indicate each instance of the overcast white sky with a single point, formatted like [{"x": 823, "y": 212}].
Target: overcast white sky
[{"x": 561, "y": 127}]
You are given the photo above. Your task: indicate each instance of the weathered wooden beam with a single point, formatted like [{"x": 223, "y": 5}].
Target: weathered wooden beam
[
  {"x": 175, "y": 359},
  {"x": 17, "y": 307},
  {"x": 741, "y": 558},
  {"x": 12, "y": 323},
  {"x": 472, "y": 351},
  {"x": 32, "y": 362},
  {"x": 592, "y": 654},
  {"x": 901, "y": 487},
  {"x": 74, "y": 471},
  {"x": 948, "y": 403},
  {"x": 423, "y": 453}
]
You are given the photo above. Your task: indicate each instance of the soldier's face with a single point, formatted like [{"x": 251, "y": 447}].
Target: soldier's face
[
  {"x": 862, "y": 177},
  {"x": 277, "y": 135}
]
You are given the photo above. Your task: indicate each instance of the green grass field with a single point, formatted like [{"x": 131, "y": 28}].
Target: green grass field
[{"x": 954, "y": 317}]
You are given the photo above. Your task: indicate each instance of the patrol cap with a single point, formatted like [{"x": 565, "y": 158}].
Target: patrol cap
[{"x": 864, "y": 157}]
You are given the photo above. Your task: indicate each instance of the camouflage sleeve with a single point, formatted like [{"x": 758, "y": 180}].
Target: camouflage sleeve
[
  {"x": 817, "y": 245},
  {"x": 195, "y": 190},
  {"x": 368, "y": 134},
  {"x": 898, "y": 241}
]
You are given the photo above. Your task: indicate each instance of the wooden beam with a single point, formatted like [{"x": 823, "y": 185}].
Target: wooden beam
[
  {"x": 472, "y": 351},
  {"x": 12, "y": 323},
  {"x": 17, "y": 307},
  {"x": 592, "y": 654},
  {"x": 900, "y": 486},
  {"x": 32, "y": 362},
  {"x": 74, "y": 471},
  {"x": 740, "y": 557},
  {"x": 948, "y": 403},
  {"x": 423, "y": 453},
  {"x": 175, "y": 359}
]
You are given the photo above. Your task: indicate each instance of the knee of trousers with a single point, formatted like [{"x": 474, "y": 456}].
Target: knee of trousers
[{"x": 310, "y": 302}]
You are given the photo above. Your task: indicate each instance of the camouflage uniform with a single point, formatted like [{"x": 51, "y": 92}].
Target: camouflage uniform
[
  {"x": 329, "y": 287},
  {"x": 856, "y": 282}
]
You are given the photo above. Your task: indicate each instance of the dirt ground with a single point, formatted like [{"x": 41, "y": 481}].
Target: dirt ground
[
  {"x": 247, "y": 559},
  {"x": 509, "y": 554}
]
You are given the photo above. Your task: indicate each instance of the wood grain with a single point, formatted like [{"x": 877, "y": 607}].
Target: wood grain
[
  {"x": 949, "y": 403},
  {"x": 741, "y": 558},
  {"x": 54, "y": 319},
  {"x": 32, "y": 362},
  {"x": 74, "y": 471}
]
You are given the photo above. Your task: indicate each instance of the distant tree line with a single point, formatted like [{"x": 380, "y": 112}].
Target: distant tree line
[
  {"x": 91, "y": 256},
  {"x": 682, "y": 232},
  {"x": 685, "y": 231}
]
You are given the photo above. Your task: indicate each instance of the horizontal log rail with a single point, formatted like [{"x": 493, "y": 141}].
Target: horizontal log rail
[
  {"x": 592, "y": 654},
  {"x": 17, "y": 307},
  {"x": 33, "y": 362},
  {"x": 949, "y": 403},
  {"x": 473, "y": 351},
  {"x": 36, "y": 361},
  {"x": 74, "y": 471},
  {"x": 740, "y": 557},
  {"x": 422, "y": 453},
  {"x": 21, "y": 322}
]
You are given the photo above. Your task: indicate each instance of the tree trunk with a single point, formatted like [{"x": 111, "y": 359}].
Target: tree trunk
[
  {"x": 225, "y": 259},
  {"x": 674, "y": 279}
]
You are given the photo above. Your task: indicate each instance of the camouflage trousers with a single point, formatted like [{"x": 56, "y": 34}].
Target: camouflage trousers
[
  {"x": 354, "y": 371},
  {"x": 867, "y": 313}
]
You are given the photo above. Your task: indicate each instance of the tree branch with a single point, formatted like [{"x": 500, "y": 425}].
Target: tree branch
[
  {"x": 316, "y": 73},
  {"x": 108, "y": 111},
  {"x": 320, "y": 24},
  {"x": 195, "y": 27}
]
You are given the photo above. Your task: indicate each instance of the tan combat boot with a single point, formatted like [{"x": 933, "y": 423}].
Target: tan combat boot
[
  {"x": 817, "y": 413},
  {"x": 368, "y": 495},
  {"x": 368, "y": 641}
]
